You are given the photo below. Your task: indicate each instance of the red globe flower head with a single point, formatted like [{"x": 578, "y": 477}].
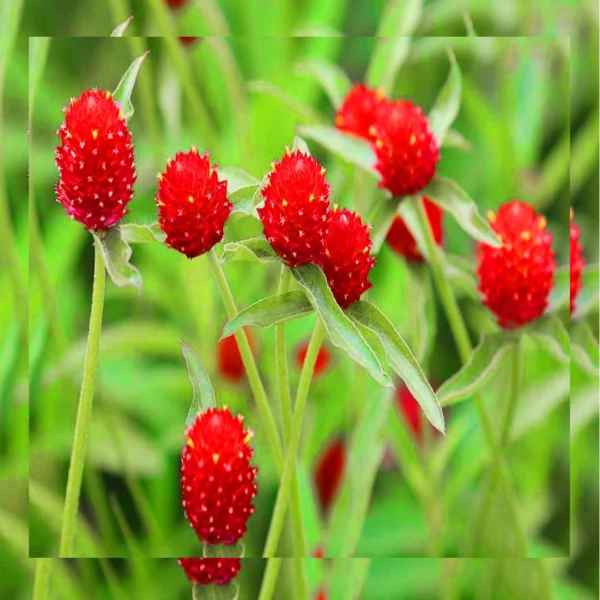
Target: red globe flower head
[
  {"x": 95, "y": 161},
  {"x": 401, "y": 240},
  {"x": 296, "y": 202},
  {"x": 175, "y": 3},
  {"x": 406, "y": 149},
  {"x": 515, "y": 280},
  {"x": 192, "y": 204},
  {"x": 229, "y": 359},
  {"x": 218, "y": 483},
  {"x": 322, "y": 361},
  {"x": 576, "y": 262},
  {"x": 345, "y": 260},
  {"x": 329, "y": 473},
  {"x": 358, "y": 112},
  {"x": 204, "y": 571}
]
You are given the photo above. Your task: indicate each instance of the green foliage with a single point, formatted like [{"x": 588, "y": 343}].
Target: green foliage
[{"x": 204, "y": 393}]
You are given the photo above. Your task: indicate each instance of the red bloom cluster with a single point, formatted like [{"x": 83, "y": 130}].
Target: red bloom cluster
[
  {"x": 218, "y": 482},
  {"x": 322, "y": 361},
  {"x": 515, "y": 280},
  {"x": 296, "y": 202},
  {"x": 401, "y": 240},
  {"x": 576, "y": 262},
  {"x": 346, "y": 259},
  {"x": 329, "y": 473},
  {"x": 192, "y": 204},
  {"x": 204, "y": 571},
  {"x": 229, "y": 359},
  {"x": 95, "y": 161},
  {"x": 358, "y": 113}
]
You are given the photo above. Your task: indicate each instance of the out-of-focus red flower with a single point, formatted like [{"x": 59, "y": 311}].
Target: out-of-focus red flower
[
  {"x": 229, "y": 359},
  {"x": 358, "y": 113},
  {"x": 329, "y": 473},
  {"x": 577, "y": 262},
  {"x": 175, "y": 3},
  {"x": 322, "y": 361},
  {"x": 188, "y": 40},
  {"x": 204, "y": 571}
]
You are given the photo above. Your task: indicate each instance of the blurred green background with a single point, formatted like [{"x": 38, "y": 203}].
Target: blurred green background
[{"x": 530, "y": 112}]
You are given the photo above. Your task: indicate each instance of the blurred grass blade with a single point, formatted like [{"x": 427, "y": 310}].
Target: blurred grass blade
[
  {"x": 349, "y": 148},
  {"x": 584, "y": 153},
  {"x": 342, "y": 331},
  {"x": 424, "y": 324},
  {"x": 401, "y": 359},
  {"x": 270, "y": 311},
  {"x": 453, "y": 199},
  {"x": 587, "y": 299},
  {"x": 38, "y": 55},
  {"x": 136, "y": 233},
  {"x": 447, "y": 104},
  {"x": 255, "y": 249},
  {"x": 461, "y": 273},
  {"x": 116, "y": 253},
  {"x": 551, "y": 334},
  {"x": 122, "y": 95},
  {"x": 300, "y": 145},
  {"x": 454, "y": 139},
  {"x": 381, "y": 217},
  {"x": 305, "y": 112},
  {"x": 10, "y": 15},
  {"x": 484, "y": 362},
  {"x": 560, "y": 292},
  {"x": 331, "y": 78},
  {"x": 204, "y": 393},
  {"x": 119, "y": 30},
  {"x": 584, "y": 408},
  {"x": 397, "y": 24},
  {"x": 584, "y": 348}
]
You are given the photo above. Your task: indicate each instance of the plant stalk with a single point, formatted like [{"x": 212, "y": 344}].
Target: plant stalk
[
  {"x": 84, "y": 410},
  {"x": 43, "y": 567},
  {"x": 270, "y": 579},
  {"x": 281, "y": 364}
]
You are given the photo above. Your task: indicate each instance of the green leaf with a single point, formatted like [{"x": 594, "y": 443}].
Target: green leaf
[
  {"x": 215, "y": 592},
  {"x": 305, "y": 112},
  {"x": 584, "y": 408},
  {"x": 204, "y": 393},
  {"x": 236, "y": 179},
  {"x": 560, "y": 292},
  {"x": 122, "y": 94},
  {"x": 453, "y": 199},
  {"x": 397, "y": 24},
  {"x": 349, "y": 148},
  {"x": 136, "y": 233},
  {"x": 584, "y": 348},
  {"x": 551, "y": 334},
  {"x": 447, "y": 104},
  {"x": 587, "y": 299},
  {"x": 116, "y": 253},
  {"x": 38, "y": 55},
  {"x": 224, "y": 551},
  {"x": 270, "y": 311},
  {"x": 333, "y": 80},
  {"x": 424, "y": 326},
  {"x": 483, "y": 363},
  {"x": 301, "y": 145},
  {"x": 256, "y": 249},
  {"x": 401, "y": 359},
  {"x": 381, "y": 217},
  {"x": 242, "y": 189},
  {"x": 119, "y": 30},
  {"x": 456, "y": 140},
  {"x": 342, "y": 331},
  {"x": 461, "y": 273}
]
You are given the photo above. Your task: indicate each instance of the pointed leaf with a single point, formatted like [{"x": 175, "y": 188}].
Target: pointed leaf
[
  {"x": 116, "y": 253},
  {"x": 270, "y": 311},
  {"x": 122, "y": 94},
  {"x": 136, "y": 233},
  {"x": 342, "y": 331},
  {"x": 333, "y": 80},
  {"x": 224, "y": 551},
  {"x": 401, "y": 359},
  {"x": 551, "y": 334},
  {"x": 119, "y": 30},
  {"x": 584, "y": 348},
  {"x": 241, "y": 189},
  {"x": 400, "y": 19},
  {"x": 204, "y": 393},
  {"x": 305, "y": 112},
  {"x": 215, "y": 592},
  {"x": 456, "y": 140},
  {"x": 483, "y": 363},
  {"x": 301, "y": 145},
  {"x": 349, "y": 148},
  {"x": 447, "y": 104},
  {"x": 453, "y": 199},
  {"x": 256, "y": 249}
]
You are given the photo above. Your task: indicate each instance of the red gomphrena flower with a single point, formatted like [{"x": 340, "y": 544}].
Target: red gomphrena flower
[
  {"x": 346, "y": 261},
  {"x": 229, "y": 359},
  {"x": 175, "y": 3},
  {"x": 576, "y": 262},
  {"x": 95, "y": 161},
  {"x": 329, "y": 473},
  {"x": 218, "y": 482},
  {"x": 515, "y": 280},
  {"x": 357, "y": 114},
  {"x": 192, "y": 204},
  {"x": 401, "y": 240},
  {"x": 204, "y": 571},
  {"x": 322, "y": 361},
  {"x": 406, "y": 149},
  {"x": 296, "y": 203}
]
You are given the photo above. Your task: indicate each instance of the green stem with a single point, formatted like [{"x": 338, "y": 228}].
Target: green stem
[
  {"x": 84, "y": 409},
  {"x": 270, "y": 579},
  {"x": 281, "y": 364},
  {"x": 43, "y": 567},
  {"x": 463, "y": 343},
  {"x": 292, "y": 448}
]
